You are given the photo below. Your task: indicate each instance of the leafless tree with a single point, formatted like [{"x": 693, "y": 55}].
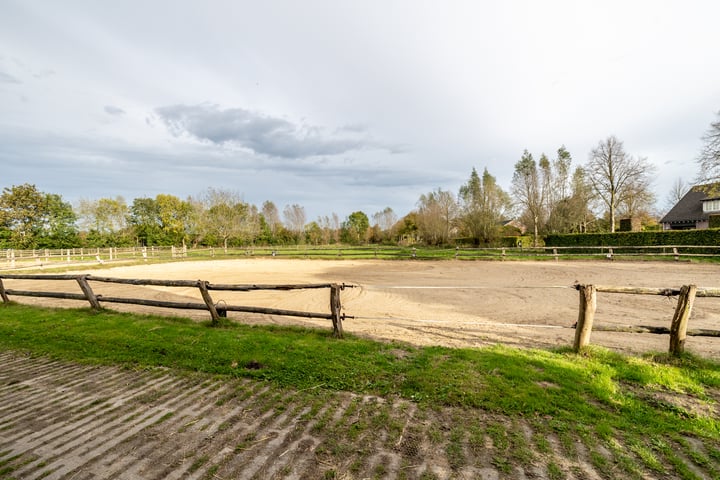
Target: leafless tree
[
  {"x": 709, "y": 159},
  {"x": 677, "y": 191},
  {"x": 616, "y": 176},
  {"x": 295, "y": 218}
]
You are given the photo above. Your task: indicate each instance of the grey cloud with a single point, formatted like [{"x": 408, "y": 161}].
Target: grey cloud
[
  {"x": 111, "y": 110},
  {"x": 260, "y": 133},
  {"x": 7, "y": 78}
]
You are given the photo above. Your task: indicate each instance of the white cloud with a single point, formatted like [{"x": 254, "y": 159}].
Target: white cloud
[{"x": 344, "y": 105}]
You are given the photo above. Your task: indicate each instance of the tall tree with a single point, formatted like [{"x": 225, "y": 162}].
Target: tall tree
[
  {"x": 616, "y": 176},
  {"x": 483, "y": 206},
  {"x": 527, "y": 190},
  {"x": 677, "y": 191},
  {"x": 224, "y": 215},
  {"x": 709, "y": 159},
  {"x": 295, "y": 219},
  {"x": 105, "y": 216},
  {"x": 355, "y": 227},
  {"x": 272, "y": 216},
  {"x": 437, "y": 211},
  {"x": 59, "y": 230},
  {"x": 23, "y": 210}
]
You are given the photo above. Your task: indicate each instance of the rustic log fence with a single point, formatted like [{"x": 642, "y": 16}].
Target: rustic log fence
[
  {"x": 678, "y": 327},
  {"x": 216, "y": 310}
]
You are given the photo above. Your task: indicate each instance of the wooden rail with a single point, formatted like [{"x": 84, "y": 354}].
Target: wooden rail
[
  {"x": 42, "y": 258},
  {"x": 216, "y": 311},
  {"x": 678, "y": 327}
]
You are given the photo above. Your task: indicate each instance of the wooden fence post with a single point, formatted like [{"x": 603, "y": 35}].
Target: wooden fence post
[
  {"x": 88, "y": 291},
  {"x": 678, "y": 327},
  {"x": 335, "y": 308},
  {"x": 3, "y": 295},
  {"x": 215, "y": 316},
  {"x": 586, "y": 315}
]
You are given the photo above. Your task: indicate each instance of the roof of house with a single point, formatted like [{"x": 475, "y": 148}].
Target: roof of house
[{"x": 690, "y": 207}]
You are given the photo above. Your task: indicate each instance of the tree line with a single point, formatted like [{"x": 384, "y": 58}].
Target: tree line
[{"x": 546, "y": 196}]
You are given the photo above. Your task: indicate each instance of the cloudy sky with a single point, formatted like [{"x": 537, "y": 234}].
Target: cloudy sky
[{"x": 342, "y": 105}]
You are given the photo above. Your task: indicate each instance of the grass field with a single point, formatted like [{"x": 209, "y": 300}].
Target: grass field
[{"x": 657, "y": 416}]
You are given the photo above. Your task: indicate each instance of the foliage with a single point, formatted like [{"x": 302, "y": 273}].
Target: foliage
[
  {"x": 355, "y": 228},
  {"x": 30, "y": 218},
  {"x": 483, "y": 207},
  {"x": 709, "y": 237},
  {"x": 436, "y": 214}
]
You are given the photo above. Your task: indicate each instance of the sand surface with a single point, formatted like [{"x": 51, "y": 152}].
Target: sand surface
[{"x": 451, "y": 303}]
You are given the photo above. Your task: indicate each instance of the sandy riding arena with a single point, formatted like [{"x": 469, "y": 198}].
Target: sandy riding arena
[{"x": 452, "y": 303}]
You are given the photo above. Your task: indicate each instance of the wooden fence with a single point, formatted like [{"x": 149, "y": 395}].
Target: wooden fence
[
  {"x": 678, "y": 327},
  {"x": 216, "y": 310},
  {"x": 19, "y": 259}
]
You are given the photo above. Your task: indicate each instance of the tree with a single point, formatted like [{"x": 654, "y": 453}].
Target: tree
[
  {"x": 295, "y": 218},
  {"x": 483, "y": 206},
  {"x": 437, "y": 211},
  {"x": 383, "y": 222},
  {"x": 355, "y": 227},
  {"x": 709, "y": 159},
  {"x": 559, "y": 194},
  {"x": 224, "y": 215},
  {"x": 21, "y": 210},
  {"x": 105, "y": 221},
  {"x": 615, "y": 176},
  {"x": 677, "y": 191},
  {"x": 59, "y": 230},
  {"x": 528, "y": 191}
]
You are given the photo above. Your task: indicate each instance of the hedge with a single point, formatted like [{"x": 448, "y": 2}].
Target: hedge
[{"x": 710, "y": 237}]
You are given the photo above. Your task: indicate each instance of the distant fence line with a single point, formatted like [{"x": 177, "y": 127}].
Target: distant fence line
[
  {"x": 12, "y": 259},
  {"x": 216, "y": 310}
]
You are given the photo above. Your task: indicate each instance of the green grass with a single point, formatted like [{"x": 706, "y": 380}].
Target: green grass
[{"x": 597, "y": 394}]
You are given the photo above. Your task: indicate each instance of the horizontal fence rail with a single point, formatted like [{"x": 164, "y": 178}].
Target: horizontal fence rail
[
  {"x": 22, "y": 259},
  {"x": 216, "y": 310},
  {"x": 678, "y": 329}
]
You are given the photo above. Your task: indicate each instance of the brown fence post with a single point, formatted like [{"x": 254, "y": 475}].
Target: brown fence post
[
  {"x": 89, "y": 294},
  {"x": 3, "y": 295},
  {"x": 678, "y": 327},
  {"x": 586, "y": 315},
  {"x": 215, "y": 316},
  {"x": 335, "y": 307}
]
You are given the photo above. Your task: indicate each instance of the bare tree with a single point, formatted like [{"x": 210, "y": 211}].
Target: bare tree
[
  {"x": 677, "y": 191},
  {"x": 294, "y": 216},
  {"x": 271, "y": 215},
  {"x": 615, "y": 176},
  {"x": 528, "y": 191},
  {"x": 709, "y": 159}
]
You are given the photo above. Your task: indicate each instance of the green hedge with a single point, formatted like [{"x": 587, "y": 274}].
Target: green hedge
[
  {"x": 714, "y": 221},
  {"x": 709, "y": 237}
]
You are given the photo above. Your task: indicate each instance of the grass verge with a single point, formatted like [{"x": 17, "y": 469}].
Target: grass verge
[{"x": 600, "y": 391}]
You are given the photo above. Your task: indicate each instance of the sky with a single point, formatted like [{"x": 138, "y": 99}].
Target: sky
[{"x": 340, "y": 105}]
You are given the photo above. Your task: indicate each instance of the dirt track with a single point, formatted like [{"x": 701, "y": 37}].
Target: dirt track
[
  {"x": 453, "y": 303},
  {"x": 67, "y": 421}
]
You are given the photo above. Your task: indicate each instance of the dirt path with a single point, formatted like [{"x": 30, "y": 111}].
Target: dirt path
[{"x": 452, "y": 303}]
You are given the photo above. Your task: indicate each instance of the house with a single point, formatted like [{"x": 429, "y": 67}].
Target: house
[{"x": 695, "y": 209}]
